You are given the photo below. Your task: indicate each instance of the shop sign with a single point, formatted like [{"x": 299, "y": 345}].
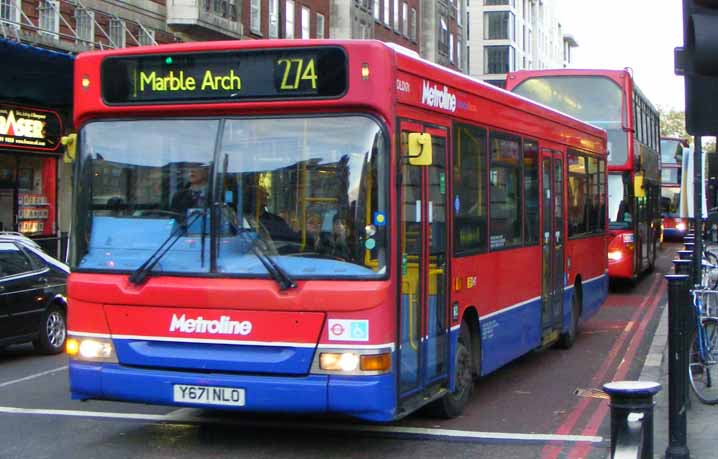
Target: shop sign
[{"x": 29, "y": 128}]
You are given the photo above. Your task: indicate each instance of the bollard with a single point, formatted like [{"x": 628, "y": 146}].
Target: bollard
[
  {"x": 689, "y": 246},
  {"x": 678, "y": 306},
  {"x": 632, "y": 400},
  {"x": 685, "y": 254},
  {"x": 690, "y": 239},
  {"x": 682, "y": 266}
]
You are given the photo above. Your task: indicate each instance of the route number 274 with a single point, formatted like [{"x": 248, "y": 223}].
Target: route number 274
[{"x": 297, "y": 71}]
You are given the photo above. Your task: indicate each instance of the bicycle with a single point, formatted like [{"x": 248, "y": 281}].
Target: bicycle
[{"x": 703, "y": 355}]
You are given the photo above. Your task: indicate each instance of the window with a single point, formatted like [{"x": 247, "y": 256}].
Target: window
[
  {"x": 289, "y": 20},
  {"x": 451, "y": 47},
  {"x": 577, "y": 188},
  {"x": 306, "y": 19},
  {"x": 387, "y": 13},
  {"x": 12, "y": 260},
  {"x": 499, "y": 59},
  {"x": 413, "y": 24},
  {"x": 499, "y": 25},
  {"x": 273, "y": 18},
  {"x": 469, "y": 189},
  {"x": 405, "y": 19},
  {"x": 586, "y": 194},
  {"x": 320, "y": 25},
  {"x": 443, "y": 36},
  {"x": 85, "y": 25},
  {"x": 500, "y": 2},
  {"x": 49, "y": 17},
  {"x": 377, "y": 10},
  {"x": 255, "y": 13},
  {"x": 146, "y": 37},
  {"x": 531, "y": 193},
  {"x": 10, "y": 12},
  {"x": 117, "y": 32},
  {"x": 458, "y": 54},
  {"x": 396, "y": 16},
  {"x": 505, "y": 183}
]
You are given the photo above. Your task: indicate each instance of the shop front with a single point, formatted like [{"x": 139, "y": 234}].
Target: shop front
[{"x": 30, "y": 150}]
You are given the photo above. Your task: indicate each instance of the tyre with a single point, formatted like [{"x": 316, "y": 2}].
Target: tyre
[
  {"x": 452, "y": 404},
  {"x": 53, "y": 331},
  {"x": 703, "y": 374},
  {"x": 566, "y": 340}
]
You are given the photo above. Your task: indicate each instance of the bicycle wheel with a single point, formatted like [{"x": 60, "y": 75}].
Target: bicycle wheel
[{"x": 703, "y": 371}]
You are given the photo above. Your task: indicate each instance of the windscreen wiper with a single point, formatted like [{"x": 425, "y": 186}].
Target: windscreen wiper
[
  {"x": 141, "y": 273},
  {"x": 259, "y": 249}
]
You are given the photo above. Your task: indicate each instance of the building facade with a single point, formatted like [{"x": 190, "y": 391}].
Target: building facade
[{"x": 509, "y": 35}]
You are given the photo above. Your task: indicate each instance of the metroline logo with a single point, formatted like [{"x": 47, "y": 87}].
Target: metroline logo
[
  {"x": 223, "y": 326},
  {"x": 432, "y": 96}
]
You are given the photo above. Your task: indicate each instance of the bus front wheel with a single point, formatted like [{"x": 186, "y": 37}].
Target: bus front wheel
[{"x": 452, "y": 404}]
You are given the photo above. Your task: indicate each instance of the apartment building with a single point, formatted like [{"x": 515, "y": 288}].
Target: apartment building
[{"x": 509, "y": 35}]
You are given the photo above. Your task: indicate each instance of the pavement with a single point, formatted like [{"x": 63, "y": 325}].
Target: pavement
[{"x": 702, "y": 419}]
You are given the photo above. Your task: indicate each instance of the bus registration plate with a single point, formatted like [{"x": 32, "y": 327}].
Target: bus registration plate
[{"x": 208, "y": 395}]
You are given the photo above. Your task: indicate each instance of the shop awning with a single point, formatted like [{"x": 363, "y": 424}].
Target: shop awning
[{"x": 35, "y": 76}]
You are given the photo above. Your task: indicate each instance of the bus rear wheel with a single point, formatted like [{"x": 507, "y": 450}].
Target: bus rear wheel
[
  {"x": 567, "y": 339},
  {"x": 452, "y": 404}
]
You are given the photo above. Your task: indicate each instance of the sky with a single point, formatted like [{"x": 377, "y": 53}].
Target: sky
[{"x": 640, "y": 34}]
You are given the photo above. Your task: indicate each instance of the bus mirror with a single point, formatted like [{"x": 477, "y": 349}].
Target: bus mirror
[
  {"x": 420, "y": 149},
  {"x": 638, "y": 189}
]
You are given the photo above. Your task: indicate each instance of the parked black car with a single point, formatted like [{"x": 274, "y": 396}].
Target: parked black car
[{"x": 33, "y": 306}]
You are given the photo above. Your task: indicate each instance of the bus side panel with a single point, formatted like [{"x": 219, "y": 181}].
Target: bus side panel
[
  {"x": 581, "y": 261},
  {"x": 504, "y": 287}
]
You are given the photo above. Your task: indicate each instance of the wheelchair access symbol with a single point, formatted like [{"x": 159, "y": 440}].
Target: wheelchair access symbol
[{"x": 348, "y": 330}]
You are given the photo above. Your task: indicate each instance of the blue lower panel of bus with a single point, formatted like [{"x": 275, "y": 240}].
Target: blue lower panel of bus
[
  {"x": 673, "y": 233},
  {"x": 368, "y": 397},
  {"x": 215, "y": 357},
  {"x": 594, "y": 294},
  {"x": 509, "y": 334}
]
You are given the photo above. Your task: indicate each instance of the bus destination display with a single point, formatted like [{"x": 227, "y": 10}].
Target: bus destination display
[{"x": 225, "y": 76}]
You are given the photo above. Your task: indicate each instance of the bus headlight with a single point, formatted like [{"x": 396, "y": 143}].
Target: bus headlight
[
  {"x": 352, "y": 362},
  {"x": 681, "y": 226},
  {"x": 91, "y": 349},
  {"x": 330, "y": 361}
]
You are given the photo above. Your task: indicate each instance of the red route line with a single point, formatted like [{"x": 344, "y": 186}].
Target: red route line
[
  {"x": 552, "y": 451},
  {"x": 582, "y": 450}
]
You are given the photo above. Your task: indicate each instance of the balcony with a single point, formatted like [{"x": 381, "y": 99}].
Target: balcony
[{"x": 205, "y": 19}]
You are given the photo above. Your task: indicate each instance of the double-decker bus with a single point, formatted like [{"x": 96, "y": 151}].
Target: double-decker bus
[
  {"x": 610, "y": 99},
  {"x": 319, "y": 226},
  {"x": 672, "y": 150}
]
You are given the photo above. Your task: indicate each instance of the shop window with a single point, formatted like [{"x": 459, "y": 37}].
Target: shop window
[
  {"x": 470, "y": 202},
  {"x": 505, "y": 191}
]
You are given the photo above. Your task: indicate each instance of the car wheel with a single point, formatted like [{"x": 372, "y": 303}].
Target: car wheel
[{"x": 53, "y": 331}]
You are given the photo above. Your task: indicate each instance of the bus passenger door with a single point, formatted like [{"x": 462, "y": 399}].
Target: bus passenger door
[
  {"x": 423, "y": 317},
  {"x": 552, "y": 244}
]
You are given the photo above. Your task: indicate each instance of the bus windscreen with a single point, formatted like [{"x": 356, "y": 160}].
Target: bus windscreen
[{"x": 226, "y": 76}]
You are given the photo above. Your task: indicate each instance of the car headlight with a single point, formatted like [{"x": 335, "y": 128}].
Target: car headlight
[{"x": 91, "y": 349}]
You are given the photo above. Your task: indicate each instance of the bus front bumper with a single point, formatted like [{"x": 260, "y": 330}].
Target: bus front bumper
[{"x": 372, "y": 398}]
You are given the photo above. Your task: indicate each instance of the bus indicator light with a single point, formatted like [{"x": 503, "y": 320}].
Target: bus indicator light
[
  {"x": 365, "y": 71},
  {"x": 380, "y": 362}
]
